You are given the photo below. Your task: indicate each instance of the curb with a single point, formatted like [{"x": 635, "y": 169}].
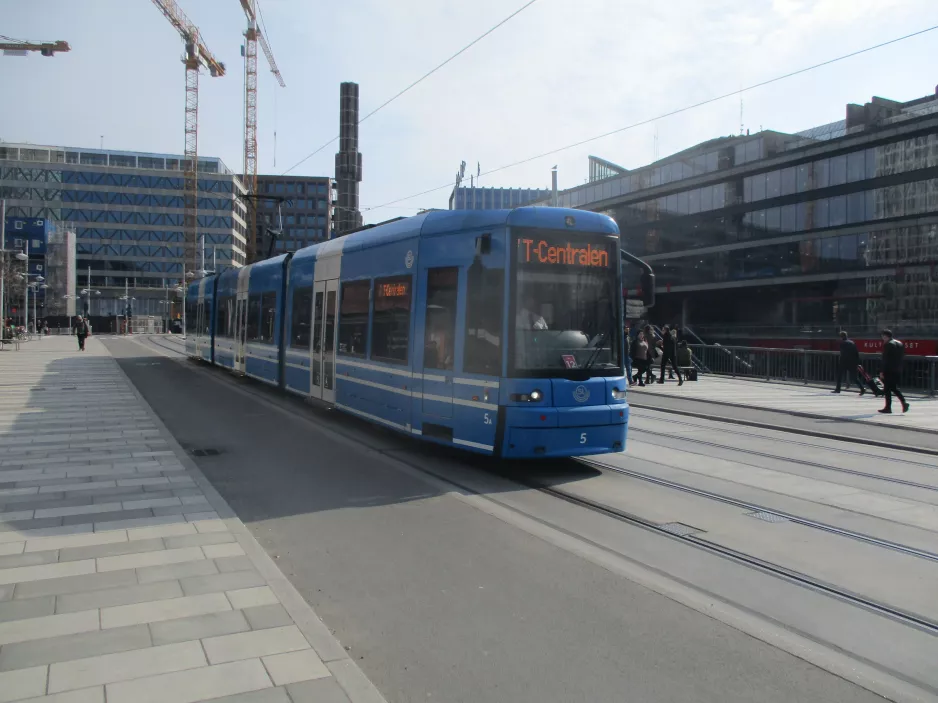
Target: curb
[{"x": 346, "y": 672}]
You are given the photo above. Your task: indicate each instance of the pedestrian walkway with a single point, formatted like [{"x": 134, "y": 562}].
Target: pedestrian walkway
[
  {"x": 124, "y": 576},
  {"x": 800, "y": 399}
]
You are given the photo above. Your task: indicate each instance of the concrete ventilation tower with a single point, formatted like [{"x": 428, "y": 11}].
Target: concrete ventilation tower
[{"x": 348, "y": 162}]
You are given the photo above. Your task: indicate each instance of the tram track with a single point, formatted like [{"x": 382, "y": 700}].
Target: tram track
[
  {"x": 731, "y": 428},
  {"x": 915, "y": 620},
  {"x": 800, "y": 462}
]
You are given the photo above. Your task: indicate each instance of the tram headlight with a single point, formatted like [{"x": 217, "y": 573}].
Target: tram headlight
[
  {"x": 619, "y": 395},
  {"x": 535, "y": 395}
]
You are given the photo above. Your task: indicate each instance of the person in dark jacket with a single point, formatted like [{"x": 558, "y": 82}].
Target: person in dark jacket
[
  {"x": 650, "y": 340},
  {"x": 849, "y": 363},
  {"x": 81, "y": 331},
  {"x": 893, "y": 352},
  {"x": 669, "y": 353}
]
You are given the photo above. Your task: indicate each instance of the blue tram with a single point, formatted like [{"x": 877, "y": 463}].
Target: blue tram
[{"x": 496, "y": 331}]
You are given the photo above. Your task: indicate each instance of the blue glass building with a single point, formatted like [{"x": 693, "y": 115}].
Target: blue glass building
[{"x": 126, "y": 209}]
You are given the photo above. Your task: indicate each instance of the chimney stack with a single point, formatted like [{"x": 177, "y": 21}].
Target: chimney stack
[{"x": 348, "y": 162}]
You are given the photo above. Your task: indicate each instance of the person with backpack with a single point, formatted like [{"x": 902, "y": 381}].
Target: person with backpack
[
  {"x": 893, "y": 353},
  {"x": 849, "y": 363},
  {"x": 81, "y": 331}
]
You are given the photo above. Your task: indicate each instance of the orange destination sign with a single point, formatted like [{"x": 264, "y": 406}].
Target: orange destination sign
[
  {"x": 393, "y": 290},
  {"x": 540, "y": 251}
]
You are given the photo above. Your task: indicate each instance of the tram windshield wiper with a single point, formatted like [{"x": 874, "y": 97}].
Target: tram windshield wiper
[{"x": 595, "y": 354}]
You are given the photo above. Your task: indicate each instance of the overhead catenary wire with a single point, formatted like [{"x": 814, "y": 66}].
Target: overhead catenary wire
[
  {"x": 671, "y": 113},
  {"x": 418, "y": 81}
]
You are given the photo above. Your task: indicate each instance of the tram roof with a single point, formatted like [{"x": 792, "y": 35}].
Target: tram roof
[{"x": 439, "y": 222}]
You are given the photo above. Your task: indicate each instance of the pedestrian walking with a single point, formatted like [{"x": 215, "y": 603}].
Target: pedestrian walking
[
  {"x": 652, "y": 353},
  {"x": 669, "y": 354},
  {"x": 893, "y": 353},
  {"x": 628, "y": 353},
  {"x": 81, "y": 331},
  {"x": 848, "y": 363},
  {"x": 640, "y": 358}
]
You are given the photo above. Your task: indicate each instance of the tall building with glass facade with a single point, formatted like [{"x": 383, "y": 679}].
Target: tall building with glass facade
[
  {"x": 307, "y": 206},
  {"x": 126, "y": 209},
  {"x": 778, "y": 235}
]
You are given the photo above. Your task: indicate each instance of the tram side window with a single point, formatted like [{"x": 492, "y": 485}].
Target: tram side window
[
  {"x": 484, "y": 304},
  {"x": 353, "y": 318},
  {"x": 191, "y": 307},
  {"x": 254, "y": 318},
  {"x": 207, "y": 319},
  {"x": 301, "y": 316},
  {"x": 268, "y": 318},
  {"x": 223, "y": 319},
  {"x": 390, "y": 326},
  {"x": 440, "y": 327}
]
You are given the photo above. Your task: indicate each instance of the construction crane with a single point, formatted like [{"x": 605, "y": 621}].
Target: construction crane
[
  {"x": 253, "y": 35},
  {"x": 16, "y": 47},
  {"x": 195, "y": 56}
]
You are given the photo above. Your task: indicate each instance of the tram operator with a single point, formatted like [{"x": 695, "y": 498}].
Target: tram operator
[{"x": 527, "y": 318}]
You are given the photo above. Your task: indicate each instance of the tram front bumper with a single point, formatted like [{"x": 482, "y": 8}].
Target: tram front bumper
[{"x": 558, "y": 432}]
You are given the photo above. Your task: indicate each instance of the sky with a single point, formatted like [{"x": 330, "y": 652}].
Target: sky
[{"x": 558, "y": 73}]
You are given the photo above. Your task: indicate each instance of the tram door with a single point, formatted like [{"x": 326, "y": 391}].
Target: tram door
[
  {"x": 439, "y": 341},
  {"x": 325, "y": 299},
  {"x": 240, "y": 331}
]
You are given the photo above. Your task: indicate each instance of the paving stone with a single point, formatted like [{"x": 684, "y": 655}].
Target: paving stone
[
  {"x": 80, "y": 509},
  {"x": 257, "y": 643},
  {"x": 20, "y": 515},
  {"x": 201, "y": 516},
  {"x": 294, "y": 667},
  {"x": 221, "y": 582},
  {"x": 151, "y": 503},
  {"x": 173, "y": 529},
  {"x": 265, "y": 695},
  {"x": 68, "y": 488},
  {"x": 27, "y": 608},
  {"x": 46, "y": 571},
  {"x": 137, "y": 522},
  {"x": 261, "y": 617},
  {"x": 75, "y": 584},
  {"x": 149, "y": 574},
  {"x": 31, "y": 559},
  {"x": 24, "y": 525},
  {"x": 195, "y": 499},
  {"x": 110, "y": 550},
  {"x": 156, "y": 611},
  {"x": 8, "y": 548},
  {"x": 198, "y": 627},
  {"x": 324, "y": 690},
  {"x": 193, "y": 685},
  {"x": 187, "y": 492},
  {"x": 250, "y": 597},
  {"x": 95, "y": 694},
  {"x": 122, "y": 666},
  {"x": 172, "y": 510},
  {"x": 67, "y": 648},
  {"x": 6, "y": 592},
  {"x": 25, "y": 683},
  {"x": 115, "y": 519},
  {"x": 198, "y": 540},
  {"x": 48, "y": 626},
  {"x": 52, "y": 481},
  {"x": 217, "y": 551},
  {"x": 80, "y": 539},
  {"x": 161, "y": 590},
  {"x": 9, "y": 502},
  {"x": 241, "y": 563},
  {"x": 153, "y": 558}
]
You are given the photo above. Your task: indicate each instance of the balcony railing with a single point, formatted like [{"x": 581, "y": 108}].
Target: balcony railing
[{"x": 805, "y": 365}]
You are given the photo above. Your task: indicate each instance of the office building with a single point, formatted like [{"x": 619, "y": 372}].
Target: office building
[
  {"x": 778, "y": 236},
  {"x": 306, "y": 206},
  {"x": 471, "y": 198},
  {"x": 126, "y": 209},
  {"x": 51, "y": 263},
  {"x": 348, "y": 162}
]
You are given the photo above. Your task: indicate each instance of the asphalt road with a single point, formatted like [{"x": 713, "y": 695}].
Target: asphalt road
[{"x": 435, "y": 599}]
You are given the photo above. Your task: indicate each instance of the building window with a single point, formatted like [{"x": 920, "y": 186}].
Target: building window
[
  {"x": 279, "y": 188},
  {"x": 291, "y": 188},
  {"x": 353, "y": 318},
  {"x": 839, "y": 170},
  {"x": 390, "y": 327}
]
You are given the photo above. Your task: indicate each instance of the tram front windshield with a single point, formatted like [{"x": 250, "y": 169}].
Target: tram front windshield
[{"x": 565, "y": 302}]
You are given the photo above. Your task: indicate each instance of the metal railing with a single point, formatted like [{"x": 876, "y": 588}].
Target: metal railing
[{"x": 806, "y": 365}]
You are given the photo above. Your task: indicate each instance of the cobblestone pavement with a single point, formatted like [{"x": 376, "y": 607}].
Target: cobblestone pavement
[{"x": 124, "y": 576}]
